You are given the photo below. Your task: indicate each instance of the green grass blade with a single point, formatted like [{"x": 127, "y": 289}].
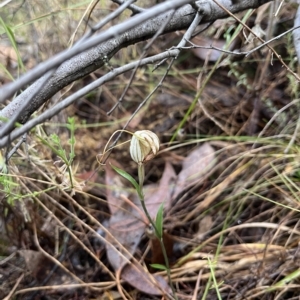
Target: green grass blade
[
  {"x": 159, "y": 220},
  {"x": 11, "y": 36},
  {"x": 159, "y": 267}
]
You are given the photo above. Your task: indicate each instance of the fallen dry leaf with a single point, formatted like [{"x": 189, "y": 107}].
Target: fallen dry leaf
[
  {"x": 40, "y": 266},
  {"x": 114, "y": 187},
  {"x": 144, "y": 281},
  {"x": 126, "y": 227},
  {"x": 34, "y": 260},
  {"x": 195, "y": 167},
  {"x": 163, "y": 193}
]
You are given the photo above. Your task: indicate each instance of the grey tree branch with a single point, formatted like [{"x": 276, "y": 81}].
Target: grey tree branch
[
  {"x": 7, "y": 127},
  {"x": 90, "y": 53},
  {"x": 87, "y": 89}
]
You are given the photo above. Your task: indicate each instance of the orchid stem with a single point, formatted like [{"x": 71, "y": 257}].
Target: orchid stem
[{"x": 141, "y": 173}]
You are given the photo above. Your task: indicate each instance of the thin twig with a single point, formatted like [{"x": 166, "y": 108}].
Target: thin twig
[
  {"x": 134, "y": 8},
  {"x": 52, "y": 271},
  {"x": 106, "y": 20},
  {"x": 51, "y": 258},
  {"x": 15, "y": 148},
  {"x": 212, "y": 118},
  {"x": 159, "y": 32},
  {"x": 102, "y": 287},
  {"x": 6, "y": 259},
  {"x": 247, "y": 53},
  {"x": 14, "y": 288}
]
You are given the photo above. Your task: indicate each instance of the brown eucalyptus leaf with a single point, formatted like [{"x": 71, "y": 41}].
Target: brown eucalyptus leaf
[
  {"x": 195, "y": 167},
  {"x": 142, "y": 280},
  {"x": 126, "y": 227},
  {"x": 163, "y": 193},
  {"x": 34, "y": 260},
  {"x": 40, "y": 266},
  {"x": 114, "y": 186}
]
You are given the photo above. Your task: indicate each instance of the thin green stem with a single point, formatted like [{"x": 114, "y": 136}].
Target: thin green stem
[
  {"x": 161, "y": 242},
  {"x": 216, "y": 285},
  {"x": 141, "y": 174},
  {"x": 70, "y": 175}
]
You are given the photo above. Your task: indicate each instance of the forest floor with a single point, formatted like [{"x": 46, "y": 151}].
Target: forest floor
[{"x": 227, "y": 171}]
